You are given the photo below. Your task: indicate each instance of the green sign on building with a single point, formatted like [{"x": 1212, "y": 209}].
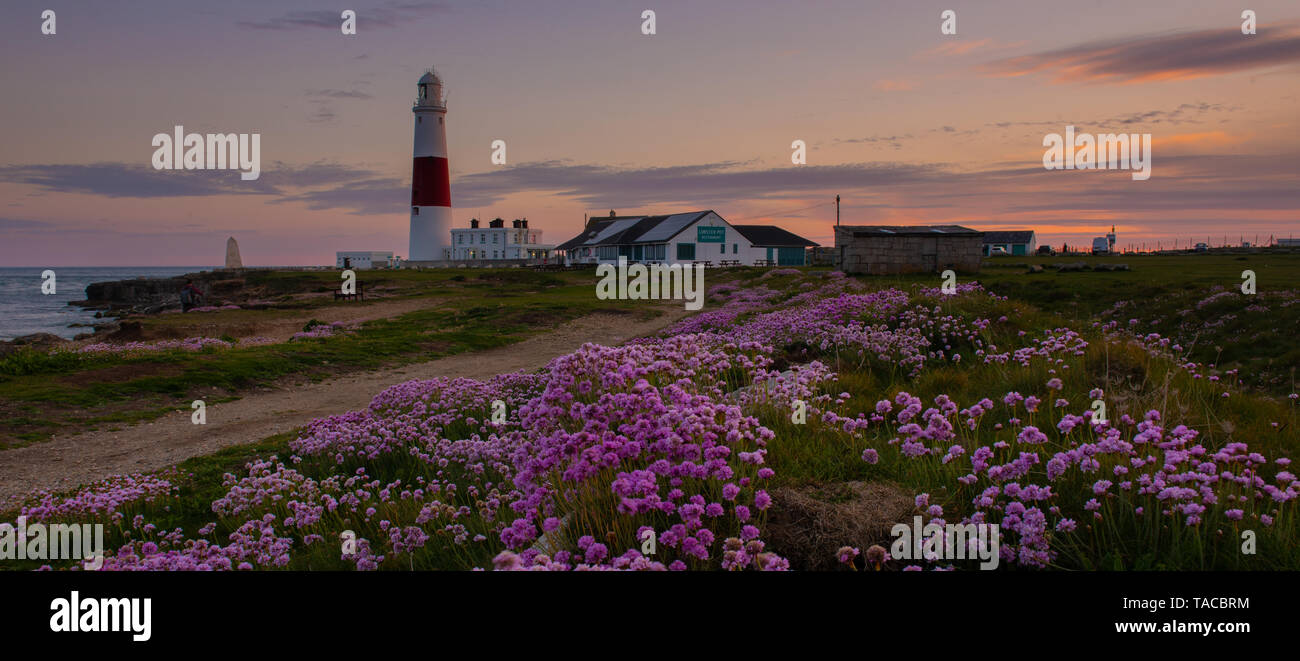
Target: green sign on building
[{"x": 705, "y": 234}]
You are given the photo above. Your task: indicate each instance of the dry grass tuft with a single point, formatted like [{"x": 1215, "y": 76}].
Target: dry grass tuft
[{"x": 807, "y": 525}]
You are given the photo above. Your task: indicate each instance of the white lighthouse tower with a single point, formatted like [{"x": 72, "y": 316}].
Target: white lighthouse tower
[{"x": 430, "y": 181}]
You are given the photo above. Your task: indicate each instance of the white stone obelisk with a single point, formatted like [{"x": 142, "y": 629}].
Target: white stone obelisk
[{"x": 232, "y": 254}]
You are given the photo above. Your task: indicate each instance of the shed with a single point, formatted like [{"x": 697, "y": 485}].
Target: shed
[
  {"x": 892, "y": 249},
  {"x": 1015, "y": 242},
  {"x": 781, "y": 247}
]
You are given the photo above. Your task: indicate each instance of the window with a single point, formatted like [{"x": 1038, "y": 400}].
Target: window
[
  {"x": 460, "y": 238},
  {"x": 722, "y": 248},
  {"x": 482, "y": 238},
  {"x": 735, "y": 248},
  {"x": 494, "y": 237},
  {"x": 685, "y": 251},
  {"x": 415, "y": 211}
]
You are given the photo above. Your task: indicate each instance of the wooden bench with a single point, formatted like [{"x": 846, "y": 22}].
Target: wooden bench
[
  {"x": 763, "y": 262},
  {"x": 360, "y": 295},
  {"x": 728, "y": 262}
]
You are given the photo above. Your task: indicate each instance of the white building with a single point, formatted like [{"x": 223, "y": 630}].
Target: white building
[
  {"x": 365, "y": 259},
  {"x": 496, "y": 241},
  {"x": 684, "y": 238}
]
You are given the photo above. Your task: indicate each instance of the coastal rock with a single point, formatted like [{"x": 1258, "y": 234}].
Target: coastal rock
[
  {"x": 1073, "y": 266},
  {"x": 36, "y": 339},
  {"x": 128, "y": 331},
  {"x": 140, "y": 294}
]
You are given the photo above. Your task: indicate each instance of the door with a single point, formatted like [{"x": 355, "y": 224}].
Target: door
[{"x": 930, "y": 254}]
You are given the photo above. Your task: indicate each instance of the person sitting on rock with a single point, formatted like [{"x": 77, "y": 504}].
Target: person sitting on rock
[{"x": 190, "y": 296}]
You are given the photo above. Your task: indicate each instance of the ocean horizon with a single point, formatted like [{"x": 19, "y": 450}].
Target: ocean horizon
[{"x": 24, "y": 309}]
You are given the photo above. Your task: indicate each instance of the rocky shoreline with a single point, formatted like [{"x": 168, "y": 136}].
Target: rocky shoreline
[{"x": 114, "y": 299}]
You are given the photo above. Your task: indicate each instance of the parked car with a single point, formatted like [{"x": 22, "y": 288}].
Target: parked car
[
  {"x": 997, "y": 251},
  {"x": 1100, "y": 246},
  {"x": 1046, "y": 251},
  {"x": 1202, "y": 247}
]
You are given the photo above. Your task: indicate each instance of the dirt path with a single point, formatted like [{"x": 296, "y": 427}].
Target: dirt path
[{"x": 68, "y": 462}]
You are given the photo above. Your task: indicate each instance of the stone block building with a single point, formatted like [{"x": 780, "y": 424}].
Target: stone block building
[{"x": 893, "y": 249}]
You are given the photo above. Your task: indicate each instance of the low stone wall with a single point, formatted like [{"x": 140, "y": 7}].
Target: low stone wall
[{"x": 475, "y": 263}]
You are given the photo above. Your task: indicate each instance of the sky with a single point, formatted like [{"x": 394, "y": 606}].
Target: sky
[{"x": 906, "y": 124}]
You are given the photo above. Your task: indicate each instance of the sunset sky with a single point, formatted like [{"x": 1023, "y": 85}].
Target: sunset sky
[{"x": 906, "y": 124}]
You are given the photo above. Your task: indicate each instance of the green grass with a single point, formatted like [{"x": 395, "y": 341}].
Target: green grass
[{"x": 490, "y": 308}]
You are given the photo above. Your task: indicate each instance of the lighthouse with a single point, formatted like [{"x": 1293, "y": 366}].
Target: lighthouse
[{"x": 430, "y": 181}]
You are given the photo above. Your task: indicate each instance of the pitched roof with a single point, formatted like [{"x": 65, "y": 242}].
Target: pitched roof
[
  {"x": 763, "y": 236},
  {"x": 625, "y": 230},
  {"x": 904, "y": 230},
  {"x": 589, "y": 232},
  {"x": 1009, "y": 237}
]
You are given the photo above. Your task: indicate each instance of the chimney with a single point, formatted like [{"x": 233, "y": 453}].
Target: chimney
[
  {"x": 611, "y": 213},
  {"x": 473, "y": 223},
  {"x": 497, "y": 222},
  {"x": 515, "y": 223},
  {"x": 524, "y": 223}
]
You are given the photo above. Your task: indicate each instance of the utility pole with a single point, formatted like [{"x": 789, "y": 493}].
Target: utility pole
[{"x": 837, "y": 210}]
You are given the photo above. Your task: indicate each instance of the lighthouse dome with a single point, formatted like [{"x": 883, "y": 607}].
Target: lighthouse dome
[{"x": 430, "y": 93}]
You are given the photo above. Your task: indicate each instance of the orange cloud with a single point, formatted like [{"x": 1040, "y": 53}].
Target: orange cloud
[
  {"x": 950, "y": 48},
  {"x": 885, "y": 85},
  {"x": 1205, "y": 139},
  {"x": 1163, "y": 57}
]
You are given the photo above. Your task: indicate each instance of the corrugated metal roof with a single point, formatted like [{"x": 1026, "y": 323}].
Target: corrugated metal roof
[
  {"x": 904, "y": 230},
  {"x": 1009, "y": 237}
]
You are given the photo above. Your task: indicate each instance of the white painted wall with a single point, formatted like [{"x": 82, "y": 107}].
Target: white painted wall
[
  {"x": 507, "y": 246},
  {"x": 363, "y": 259}
]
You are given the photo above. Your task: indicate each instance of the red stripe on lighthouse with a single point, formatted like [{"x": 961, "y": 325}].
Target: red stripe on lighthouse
[{"x": 430, "y": 182}]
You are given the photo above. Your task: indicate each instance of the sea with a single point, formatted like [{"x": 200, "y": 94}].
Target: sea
[{"x": 24, "y": 309}]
